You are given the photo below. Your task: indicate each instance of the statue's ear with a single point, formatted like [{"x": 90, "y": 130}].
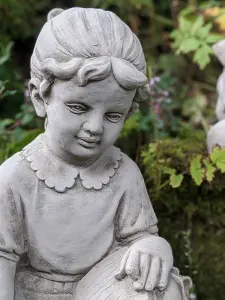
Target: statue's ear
[{"x": 38, "y": 102}]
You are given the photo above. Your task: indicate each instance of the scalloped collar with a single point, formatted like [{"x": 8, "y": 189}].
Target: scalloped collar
[{"x": 59, "y": 175}]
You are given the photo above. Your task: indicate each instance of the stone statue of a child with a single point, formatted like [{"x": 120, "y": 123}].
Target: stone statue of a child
[{"x": 75, "y": 218}]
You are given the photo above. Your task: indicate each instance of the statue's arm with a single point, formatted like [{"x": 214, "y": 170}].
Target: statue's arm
[
  {"x": 149, "y": 258},
  {"x": 7, "y": 275},
  {"x": 135, "y": 216},
  {"x": 12, "y": 243}
]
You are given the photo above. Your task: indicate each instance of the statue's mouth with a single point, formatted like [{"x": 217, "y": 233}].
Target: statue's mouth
[{"x": 88, "y": 142}]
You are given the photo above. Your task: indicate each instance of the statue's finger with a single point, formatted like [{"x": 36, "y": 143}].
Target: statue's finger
[
  {"x": 122, "y": 273},
  {"x": 144, "y": 269},
  {"x": 133, "y": 263},
  {"x": 154, "y": 273},
  {"x": 164, "y": 277}
]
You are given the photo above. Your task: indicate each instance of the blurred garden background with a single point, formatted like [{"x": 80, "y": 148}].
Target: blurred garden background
[{"x": 167, "y": 138}]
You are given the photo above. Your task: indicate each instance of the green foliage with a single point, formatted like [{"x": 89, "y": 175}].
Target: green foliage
[
  {"x": 191, "y": 216},
  {"x": 126, "y": 9},
  {"x": 5, "y": 52},
  {"x": 196, "y": 170},
  {"x": 4, "y": 91},
  {"x": 194, "y": 108},
  {"x": 218, "y": 157},
  {"x": 11, "y": 88},
  {"x": 176, "y": 180},
  {"x": 196, "y": 37},
  {"x": 17, "y": 132},
  {"x": 171, "y": 110},
  {"x": 131, "y": 125},
  {"x": 160, "y": 157},
  {"x": 199, "y": 167},
  {"x": 22, "y": 18},
  {"x": 12, "y": 143},
  {"x": 5, "y": 56},
  {"x": 209, "y": 169}
]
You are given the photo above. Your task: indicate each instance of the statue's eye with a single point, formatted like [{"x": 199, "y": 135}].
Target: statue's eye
[
  {"x": 113, "y": 117},
  {"x": 76, "y": 108}
]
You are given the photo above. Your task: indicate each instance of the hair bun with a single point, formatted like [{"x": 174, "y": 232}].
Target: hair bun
[{"x": 54, "y": 12}]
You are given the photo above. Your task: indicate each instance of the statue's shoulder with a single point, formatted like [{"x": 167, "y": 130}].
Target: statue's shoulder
[
  {"x": 129, "y": 169},
  {"x": 13, "y": 169}
]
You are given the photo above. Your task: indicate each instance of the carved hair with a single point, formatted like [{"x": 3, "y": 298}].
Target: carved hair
[{"x": 88, "y": 44}]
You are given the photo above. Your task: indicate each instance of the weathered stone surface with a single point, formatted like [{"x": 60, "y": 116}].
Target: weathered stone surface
[
  {"x": 76, "y": 221},
  {"x": 216, "y": 135}
]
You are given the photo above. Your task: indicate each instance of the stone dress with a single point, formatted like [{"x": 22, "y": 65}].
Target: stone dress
[{"x": 60, "y": 223}]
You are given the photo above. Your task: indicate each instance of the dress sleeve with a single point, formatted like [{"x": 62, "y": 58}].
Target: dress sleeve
[
  {"x": 135, "y": 215},
  {"x": 11, "y": 221}
]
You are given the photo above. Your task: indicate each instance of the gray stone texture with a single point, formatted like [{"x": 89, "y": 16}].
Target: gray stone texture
[{"x": 76, "y": 221}]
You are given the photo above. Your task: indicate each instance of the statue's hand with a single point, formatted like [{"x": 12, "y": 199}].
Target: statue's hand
[{"x": 148, "y": 262}]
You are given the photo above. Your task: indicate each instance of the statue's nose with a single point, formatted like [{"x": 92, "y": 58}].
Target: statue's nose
[{"x": 94, "y": 125}]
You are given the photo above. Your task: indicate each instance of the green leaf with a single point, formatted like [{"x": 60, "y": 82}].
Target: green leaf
[
  {"x": 167, "y": 170},
  {"x": 202, "y": 56},
  {"x": 189, "y": 45},
  {"x": 176, "y": 180},
  {"x": 8, "y": 93},
  {"x": 197, "y": 172},
  {"x": 5, "y": 53},
  {"x": 204, "y": 31},
  {"x": 6, "y": 122},
  {"x": 213, "y": 38},
  {"x": 163, "y": 20},
  {"x": 199, "y": 22},
  {"x": 194, "y": 107},
  {"x": 131, "y": 125},
  {"x": 185, "y": 25},
  {"x": 27, "y": 119},
  {"x": 153, "y": 147},
  {"x": 218, "y": 157},
  {"x": 187, "y": 11},
  {"x": 210, "y": 170},
  {"x": 174, "y": 33}
]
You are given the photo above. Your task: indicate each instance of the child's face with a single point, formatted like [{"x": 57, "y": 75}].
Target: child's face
[{"x": 84, "y": 121}]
